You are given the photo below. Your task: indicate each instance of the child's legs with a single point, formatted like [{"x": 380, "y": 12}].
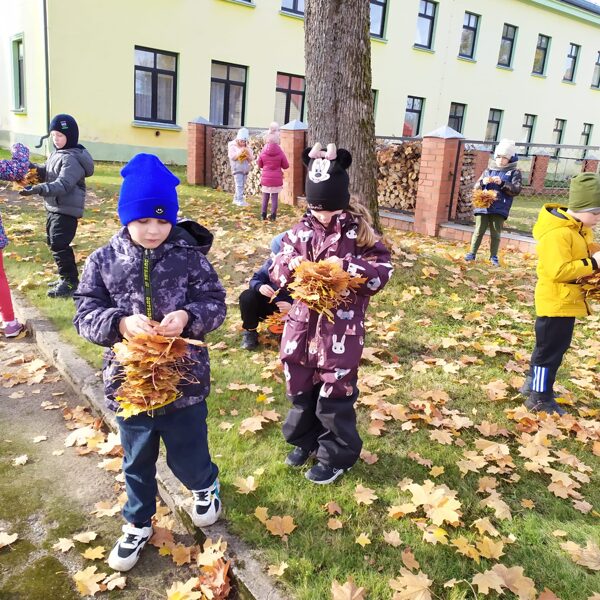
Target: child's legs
[
  {"x": 240, "y": 181},
  {"x": 254, "y": 307},
  {"x": 552, "y": 339},
  {"x": 265, "y": 203},
  {"x": 274, "y": 203},
  {"x": 60, "y": 230},
  {"x": 496, "y": 224},
  {"x": 7, "y": 312},
  {"x": 301, "y": 427},
  {"x": 140, "y": 443},
  {"x": 339, "y": 444},
  {"x": 481, "y": 224},
  {"x": 184, "y": 433}
]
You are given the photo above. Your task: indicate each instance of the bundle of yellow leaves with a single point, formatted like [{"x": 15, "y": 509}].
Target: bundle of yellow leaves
[
  {"x": 243, "y": 155},
  {"x": 153, "y": 366},
  {"x": 31, "y": 178},
  {"x": 591, "y": 287},
  {"x": 483, "y": 198},
  {"x": 275, "y": 322},
  {"x": 323, "y": 285}
]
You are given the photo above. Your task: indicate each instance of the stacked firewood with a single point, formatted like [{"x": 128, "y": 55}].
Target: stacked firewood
[
  {"x": 221, "y": 170},
  {"x": 398, "y": 174}
]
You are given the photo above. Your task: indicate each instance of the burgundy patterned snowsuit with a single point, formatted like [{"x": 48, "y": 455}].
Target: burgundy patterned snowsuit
[{"x": 321, "y": 357}]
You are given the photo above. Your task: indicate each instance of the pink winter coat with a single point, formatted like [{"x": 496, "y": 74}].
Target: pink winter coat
[{"x": 271, "y": 160}]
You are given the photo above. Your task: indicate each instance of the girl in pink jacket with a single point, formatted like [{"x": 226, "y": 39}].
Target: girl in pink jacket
[{"x": 271, "y": 160}]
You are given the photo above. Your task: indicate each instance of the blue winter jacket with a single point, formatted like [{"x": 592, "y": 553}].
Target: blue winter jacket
[
  {"x": 122, "y": 278},
  {"x": 506, "y": 191}
]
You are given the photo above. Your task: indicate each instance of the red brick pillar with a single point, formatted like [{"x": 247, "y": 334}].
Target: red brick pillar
[
  {"x": 208, "y": 156},
  {"x": 539, "y": 169},
  {"x": 436, "y": 174},
  {"x": 293, "y": 142},
  {"x": 482, "y": 159},
  {"x": 590, "y": 165},
  {"x": 196, "y": 157}
]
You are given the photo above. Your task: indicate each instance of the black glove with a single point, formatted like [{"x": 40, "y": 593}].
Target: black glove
[{"x": 30, "y": 190}]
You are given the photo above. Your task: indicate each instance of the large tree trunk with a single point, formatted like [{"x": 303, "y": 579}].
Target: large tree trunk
[{"x": 339, "y": 99}]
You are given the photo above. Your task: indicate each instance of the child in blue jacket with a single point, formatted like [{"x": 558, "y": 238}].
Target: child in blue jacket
[
  {"x": 505, "y": 179},
  {"x": 154, "y": 270}
]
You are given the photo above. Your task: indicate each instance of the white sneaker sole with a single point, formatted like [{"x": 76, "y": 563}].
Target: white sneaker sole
[
  {"x": 118, "y": 563},
  {"x": 208, "y": 519}
]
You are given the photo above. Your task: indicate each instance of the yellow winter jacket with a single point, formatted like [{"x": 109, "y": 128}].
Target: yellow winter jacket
[{"x": 563, "y": 257}]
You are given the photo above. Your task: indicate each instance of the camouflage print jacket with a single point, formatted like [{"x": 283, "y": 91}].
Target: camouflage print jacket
[{"x": 113, "y": 285}]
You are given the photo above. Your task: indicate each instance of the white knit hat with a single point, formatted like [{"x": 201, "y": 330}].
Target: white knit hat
[
  {"x": 243, "y": 134},
  {"x": 506, "y": 148}
]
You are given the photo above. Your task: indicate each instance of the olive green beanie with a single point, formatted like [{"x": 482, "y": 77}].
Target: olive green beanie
[{"x": 584, "y": 192}]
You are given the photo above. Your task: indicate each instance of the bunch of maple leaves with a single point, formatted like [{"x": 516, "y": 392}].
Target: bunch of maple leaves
[
  {"x": 323, "y": 285},
  {"x": 591, "y": 287},
  {"x": 274, "y": 322},
  {"x": 31, "y": 178},
  {"x": 153, "y": 366},
  {"x": 483, "y": 198}
]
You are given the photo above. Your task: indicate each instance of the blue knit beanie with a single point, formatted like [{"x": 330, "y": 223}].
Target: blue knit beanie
[
  {"x": 66, "y": 125},
  {"x": 148, "y": 191}
]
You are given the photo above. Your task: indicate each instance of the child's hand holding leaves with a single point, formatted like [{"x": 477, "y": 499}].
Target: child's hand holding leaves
[
  {"x": 134, "y": 325},
  {"x": 173, "y": 323}
]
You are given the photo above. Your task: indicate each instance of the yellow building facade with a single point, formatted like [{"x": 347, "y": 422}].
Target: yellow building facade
[{"x": 135, "y": 73}]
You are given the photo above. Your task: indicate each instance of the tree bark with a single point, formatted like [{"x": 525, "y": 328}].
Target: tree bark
[{"x": 339, "y": 98}]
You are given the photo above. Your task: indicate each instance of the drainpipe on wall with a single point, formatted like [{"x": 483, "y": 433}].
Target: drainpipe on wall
[{"x": 47, "y": 69}]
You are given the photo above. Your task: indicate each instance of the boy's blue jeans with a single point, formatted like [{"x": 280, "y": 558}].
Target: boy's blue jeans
[{"x": 184, "y": 434}]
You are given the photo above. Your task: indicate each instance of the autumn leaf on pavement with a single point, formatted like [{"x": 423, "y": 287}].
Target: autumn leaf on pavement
[
  {"x": 86, "y": 537},
  {"x": 20, "y": 460},
  {"x": 87, "y": 581},
  {"x": 95, "y": 553},
  {"x": 277, "y": 570},
  {"x": 245, "y": 486},
  {"x": 411, "y": 586},
  {"x": 7, "y": 539},
  {"x": 184, "y": 591},
  {"x": 63, "y": 544},
  {"x": 364, "y": 495},
  {"x": 211, "y": 553},
  {"x": 114, "y": 581},
  {"x": 181, "y": 554},
  {"x": 39, "y": 438},
  {"x": 348, "y": 591},
  {"x": 280, "y": 526},
  {"x": 162, "y": 537},
  {"x": 363, "y": 540}
]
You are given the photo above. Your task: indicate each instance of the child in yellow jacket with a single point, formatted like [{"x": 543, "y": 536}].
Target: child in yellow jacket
[{"x": 563, "y": 238}]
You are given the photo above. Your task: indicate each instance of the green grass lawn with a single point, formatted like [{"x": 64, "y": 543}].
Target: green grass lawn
[{"x": 438, "y": 334}]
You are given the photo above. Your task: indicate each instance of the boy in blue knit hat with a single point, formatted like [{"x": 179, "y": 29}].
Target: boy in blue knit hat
[
  {"x": 63, "y": 189},
  {"x": 154, "y": 270}
]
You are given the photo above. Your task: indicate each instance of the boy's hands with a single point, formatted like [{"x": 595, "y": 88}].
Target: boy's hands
[
  {"x": 30, "y": 190},
  {"x": 173, "y": 323},
  {"x": 283, "y": 306},
  {"x": 134, "y": 325},
  {"x": 295, "y": 262},
  {"x": 266, "y": 290}
]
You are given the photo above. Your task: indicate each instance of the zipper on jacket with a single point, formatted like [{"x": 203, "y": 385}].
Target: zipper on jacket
[{"x": 147, "y": 288}]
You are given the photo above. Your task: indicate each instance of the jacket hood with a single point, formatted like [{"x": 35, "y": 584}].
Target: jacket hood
[
  {"x": 272, "y": 149},
  {"x": 83, "y": 156},
  {"x": 554, "y": 216},
  {"x": 194, "y": 234}
]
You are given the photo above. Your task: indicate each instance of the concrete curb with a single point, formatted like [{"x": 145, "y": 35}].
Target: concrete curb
[{"x": 251, "y": 581}]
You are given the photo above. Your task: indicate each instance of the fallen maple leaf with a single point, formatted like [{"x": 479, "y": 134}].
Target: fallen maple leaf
[
  {"x": 20, "y": 460},
  {"x": 333, "y": 508},
  {"x": 39, "y": 438},
  {"x": 181, "y": 554},
  {"x": 548, "y": 595},
  {"x": 586, "y": 557},
  {"x": 245, "y": 486},
  {"x": 7, "y": 539},
  {"x": 212, "y": 552},
  {"x": 87, "y": 581},
  {"x": 277, "y": 570},
  {"x": 364, "y": 495},
  {"x": 348, "y": 591},
  {"x": 392, "y": 538},
  {"x": 487, "y": 581},
  {"x": 334, "y": 524},
  {"x": 489, "y": 548},
  {"x": 63, "y": 544},
  {"x": 408, "y": 558},
  {"x": 411, "y": 586},
  {"x": 280, "y": 526},
  {"x": 184, "y": 591},
  {"x": 95, "y": 553},
  {"x": 363, "y": 540},
  {"x": 116, "y": 580}
]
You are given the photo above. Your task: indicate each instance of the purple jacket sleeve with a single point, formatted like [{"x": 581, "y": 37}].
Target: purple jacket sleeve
[
  {"x": 207, "y": 307},
  {"x": 96, "y": 319},
  {"x": 280, "y": 272},
  {"x": 375, "y": 265}
]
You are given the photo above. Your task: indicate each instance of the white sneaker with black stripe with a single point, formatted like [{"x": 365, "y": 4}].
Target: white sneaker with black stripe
[
  {"x": 207, "y": 505},
  {"x": 126, "y": 551}
]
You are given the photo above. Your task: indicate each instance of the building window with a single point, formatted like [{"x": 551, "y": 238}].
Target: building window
[
  {"x": 289, "y": 98},
  {"x": 18, "y": 74},
  {"x": 456, "y": 116},
  {"x": 155, "y": 85},
  {"x": 528, "y": 126},
  {"x": 293, "y": 6},
  {"x": 425, "y": 24},
  {"x": 571, "y": 63},
  {"x": 227, "y": 94},
  {"x": 596, "y": 76},
  {"x": 558, "y": 131},
  {"x": 378, "y": 17},
  {"x": 586, "y": 135},
  {"x": 469, "y": 35},
  {"x": 507, "y": 45},
  {"x": 541, "y": 55},
  {"x": 493, "y": 125},
  {"x": 413, "y": 116}
]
